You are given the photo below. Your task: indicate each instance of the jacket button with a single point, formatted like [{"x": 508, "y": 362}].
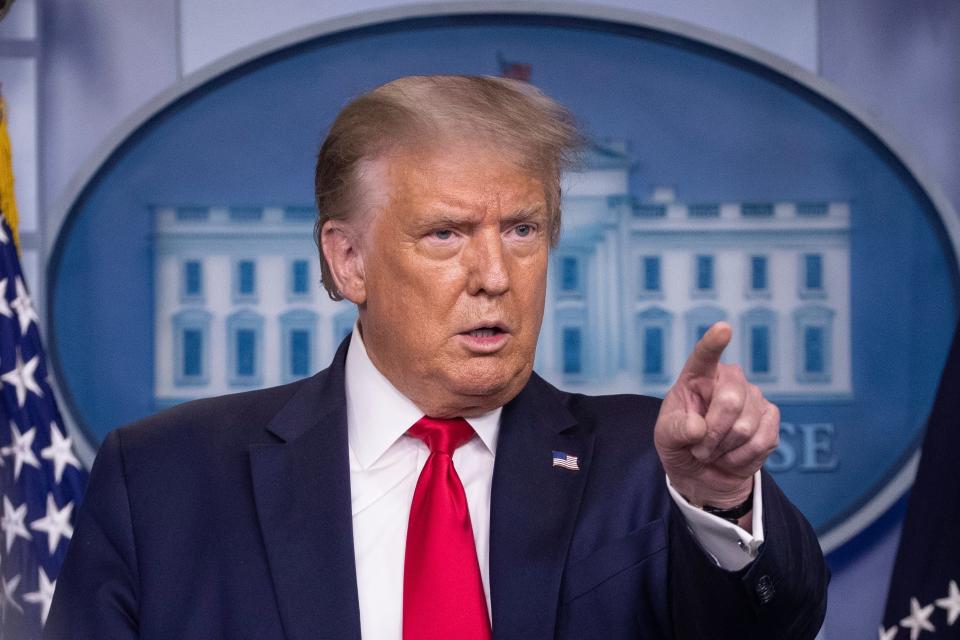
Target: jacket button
[{"x": 765, "y": 589}]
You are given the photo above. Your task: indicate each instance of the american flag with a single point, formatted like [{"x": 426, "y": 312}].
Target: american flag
[
  {"x": 41, "y": 480},
  {"x": 923, "y": 602},
  {"x": 565, "y": 460}
]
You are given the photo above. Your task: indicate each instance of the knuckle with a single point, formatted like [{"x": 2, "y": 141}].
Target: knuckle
[
  {"x": 729, "y": 399},
  {"x": 753, "y": 450},
  {"x": 767, "y": 443},
  {"x": 743, "y": 428}
]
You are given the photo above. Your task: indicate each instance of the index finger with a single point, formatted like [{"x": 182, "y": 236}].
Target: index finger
[{"x": 703, "y": 362}]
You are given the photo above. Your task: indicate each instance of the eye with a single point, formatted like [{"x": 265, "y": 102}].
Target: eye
[
  {"x": 442, "y": 234},
  {"x": 524, "y": 230}
]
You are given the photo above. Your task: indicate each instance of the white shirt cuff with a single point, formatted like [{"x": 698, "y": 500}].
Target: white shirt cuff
[{"x": 729, "y": 546}]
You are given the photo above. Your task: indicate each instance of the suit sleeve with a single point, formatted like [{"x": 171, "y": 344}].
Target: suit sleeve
[
  {"x": 97, "y": 590},
  {"x": 782, "y": 594}
]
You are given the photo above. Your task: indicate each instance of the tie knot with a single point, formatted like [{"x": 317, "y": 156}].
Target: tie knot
[{"x": 442, "y": 435}]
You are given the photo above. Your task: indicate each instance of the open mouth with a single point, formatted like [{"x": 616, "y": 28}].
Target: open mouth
[
  {"x": 486, "y": 338},
  {"x": 485, "y": 332}
]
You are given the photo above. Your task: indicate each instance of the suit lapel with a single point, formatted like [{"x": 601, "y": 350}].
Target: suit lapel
[
  {"x": 302, "y": 492},
  {"x": 533, "y": 510}
]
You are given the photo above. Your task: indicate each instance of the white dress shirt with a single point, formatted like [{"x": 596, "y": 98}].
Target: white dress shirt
[{"x": 385, "y": 465}]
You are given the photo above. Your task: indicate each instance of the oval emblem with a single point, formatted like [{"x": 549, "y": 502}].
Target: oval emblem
[{"x": 716, "y": 187}]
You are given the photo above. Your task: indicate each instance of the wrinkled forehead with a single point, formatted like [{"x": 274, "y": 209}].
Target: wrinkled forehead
[{"x": 455, "y": 174}]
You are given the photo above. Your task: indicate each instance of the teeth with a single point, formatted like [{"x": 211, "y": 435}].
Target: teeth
[{"x": 482, "y": 333}]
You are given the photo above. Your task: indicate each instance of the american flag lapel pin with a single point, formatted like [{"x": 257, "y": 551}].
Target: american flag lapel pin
[{"x": 566, "y": 461}]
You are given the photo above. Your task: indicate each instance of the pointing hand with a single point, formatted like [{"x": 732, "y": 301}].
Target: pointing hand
[{"x": 715, "y": 429}]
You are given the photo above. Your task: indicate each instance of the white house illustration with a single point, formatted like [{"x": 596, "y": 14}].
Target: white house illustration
[
  {"x": 238, "y": 301},
  {"x": 633, "y": 284}
]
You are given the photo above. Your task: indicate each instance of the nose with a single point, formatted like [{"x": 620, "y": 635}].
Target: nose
[{"x": 487, "y": 268}]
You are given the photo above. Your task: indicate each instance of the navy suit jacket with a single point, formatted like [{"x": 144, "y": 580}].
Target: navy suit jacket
[{"x": 231, "y": 518}]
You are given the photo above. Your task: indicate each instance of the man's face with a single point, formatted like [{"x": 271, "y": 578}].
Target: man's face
[{"x": 454, "y": 271}]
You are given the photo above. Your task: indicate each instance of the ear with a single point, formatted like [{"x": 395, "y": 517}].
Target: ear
[{"x": 341, "y": 248}]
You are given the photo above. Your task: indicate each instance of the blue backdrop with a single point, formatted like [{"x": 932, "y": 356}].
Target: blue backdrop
[{"x": 719, "y": 127}]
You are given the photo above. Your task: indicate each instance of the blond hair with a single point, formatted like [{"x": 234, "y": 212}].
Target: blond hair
[{"x": 536, "y": 133}]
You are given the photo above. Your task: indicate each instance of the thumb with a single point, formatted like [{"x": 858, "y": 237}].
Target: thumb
[{"x": 681, "y": 430}]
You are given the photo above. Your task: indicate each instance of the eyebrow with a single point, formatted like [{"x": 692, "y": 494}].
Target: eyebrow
[
  {"x": 526, "y": 214},
  {"x": 453, "y": 219},
  {"x": 443, "y": 219}
]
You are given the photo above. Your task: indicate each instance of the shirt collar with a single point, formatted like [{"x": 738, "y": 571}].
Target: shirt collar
[{"x": 378, "y": 414}]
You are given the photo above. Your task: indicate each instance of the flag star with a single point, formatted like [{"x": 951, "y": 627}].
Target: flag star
[
  {"x": 9, "y": 596},
  {"x": 23, "y": 377},
  {"x": 4, "y": 306},
  {"x": 21, "y": 448},
  {"x": 43, "y": 595},
  {"x": 12, "y": 522},
  {"x": 889, "y": 634},
  {"x": 951, "y": 603},
  {"x": 23, "y": 306},
  {"x": 918, "y": 620},
  {"x": 56, "y": 524},
  {"x": 60, "y": 452}
]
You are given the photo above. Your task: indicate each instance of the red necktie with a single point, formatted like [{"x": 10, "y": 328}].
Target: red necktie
[{"x": 442, "y": 591}]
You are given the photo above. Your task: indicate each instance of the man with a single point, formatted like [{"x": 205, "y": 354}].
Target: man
[{"x": 428, "y": 482}]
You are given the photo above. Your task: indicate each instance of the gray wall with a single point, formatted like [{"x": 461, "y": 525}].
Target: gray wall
[{"x": 900, "y": 61}]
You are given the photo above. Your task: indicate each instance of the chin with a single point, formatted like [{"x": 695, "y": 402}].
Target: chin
[{"x": 498, "y": 381}]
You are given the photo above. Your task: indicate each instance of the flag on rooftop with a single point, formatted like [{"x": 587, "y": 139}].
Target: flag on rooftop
[
  {"x": 41, "y": 480},
  {"x": 515, "y": 70}
]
